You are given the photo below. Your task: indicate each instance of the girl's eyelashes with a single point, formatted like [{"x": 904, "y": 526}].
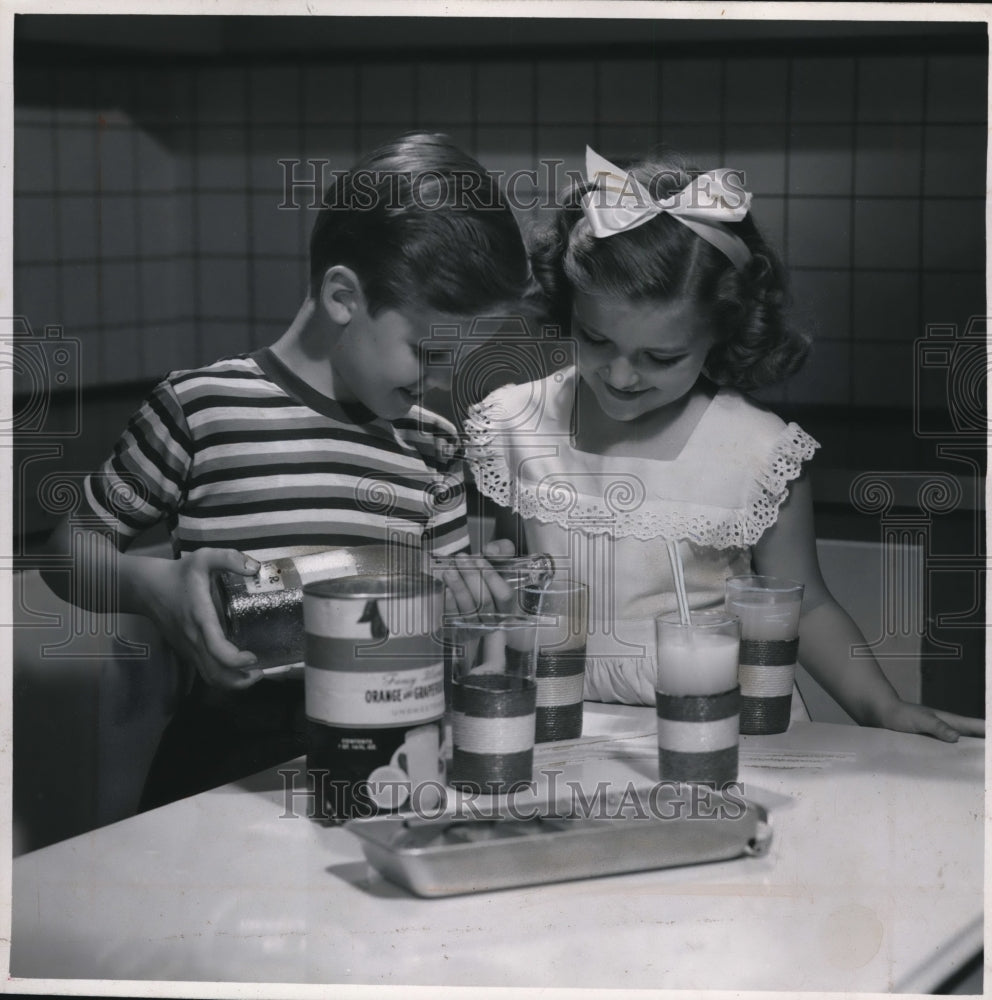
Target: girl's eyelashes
[
  {"x": 665, "y": 360},
  {"x": 662, "y": 360}
]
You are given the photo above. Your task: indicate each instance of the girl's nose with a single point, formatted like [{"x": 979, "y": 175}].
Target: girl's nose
[{"x": 621, "y": 374}]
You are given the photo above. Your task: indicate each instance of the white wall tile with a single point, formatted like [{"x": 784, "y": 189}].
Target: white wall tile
[
  {"x": 691, "y": 90},
  {"x": 119, "y": 293},
  {"x": 221, "y": 95},
  {"x": 78, "y": 226},
  {"x": 115, "y": 159},
  {"x": 701, "y": 144},
  {"x": 822, "y": 89},
  {"x": 444, "y": 93},
  {"x": 156, "y": 167},
  {"x": 819, "y": 233},
  {"x": 224, "y": 290},
  {"x": 824, "y": 379},
  {"x": 886, "y": 233},
  {"x": 118, "y": 226},
  {"x": 123, "y": 355},
  {"x": 505, "y": 91},
  {"x": 955, "y": 160},
  {"x": 565, "y": 90},
  {"x": 162, "y": 297},
  {"x": 34, "y": 166},
  {"x": 222, "y": 223},
  {"x": 268, "y": 145},
  {"x": 386, "y": 94},
  {"x": 278, "y": 289},
  {"x": 888, "y": 159},
  {"x": 274, "y": 94},
  {"x": 169, "y": 347},
  {"x": 34, "y": 229},
  {"x": 80, "y": 304},
  {"x": 330, "y": 93},
  {"x": 957, "y": 89},
  {"x": 275, "y": 230},
  {"x": 627, "y": 141},
  {"x": 628, "y": 92},
  {"x": 820, "y": 160},
  {"x": 758, "y": 151},
  {"x": 882, "y": 374},
  {"x": 221, "y": 157},
  {"x": 890, "y": 88},
  {"x": 75, "y": 159},
  {"x": 163, "y": 224},
  {"x": 757, "y": 90},
  {"x": 953, "y": 298},
  {"x": 954, "y": 234},
  {"x": 886, "y": 304},
  {"x": 822, "y": 303}
]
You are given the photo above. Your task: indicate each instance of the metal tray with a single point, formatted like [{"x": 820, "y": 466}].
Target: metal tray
[{"x": 450, "y": 856}]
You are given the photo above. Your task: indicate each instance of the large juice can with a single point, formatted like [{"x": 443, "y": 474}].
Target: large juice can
[{"x": 374, "y": 683}]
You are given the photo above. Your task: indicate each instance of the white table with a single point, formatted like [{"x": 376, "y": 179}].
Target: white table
[{"x": 873, "y": 883}]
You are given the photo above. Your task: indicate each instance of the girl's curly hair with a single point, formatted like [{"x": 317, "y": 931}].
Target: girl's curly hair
[{"x": 665, "y": 260}]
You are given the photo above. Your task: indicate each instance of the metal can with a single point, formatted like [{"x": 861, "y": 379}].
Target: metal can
[
  {"x": 374, "y": 683},
  {"x": 264, "y": 613}
]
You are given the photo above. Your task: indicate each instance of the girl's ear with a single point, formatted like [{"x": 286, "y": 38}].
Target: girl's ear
[{"x": 341, "y": 294}]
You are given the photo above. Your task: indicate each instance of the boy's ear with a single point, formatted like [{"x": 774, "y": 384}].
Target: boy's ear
[{"x": 341, "y": 294}]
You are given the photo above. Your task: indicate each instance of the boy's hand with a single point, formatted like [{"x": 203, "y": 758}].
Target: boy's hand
[
  {"x": 478, "y": 589},
  {"x": 905, "y": 717},
  {"x": 180, "y": 602}
]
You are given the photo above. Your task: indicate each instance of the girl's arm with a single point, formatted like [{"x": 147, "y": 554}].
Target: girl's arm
[{"x": 827, "y": 635}]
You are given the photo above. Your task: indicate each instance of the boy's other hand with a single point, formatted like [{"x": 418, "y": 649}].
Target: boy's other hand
[
  {"x": 906, "y": 717},
  {"x": 182, "y": 605}
]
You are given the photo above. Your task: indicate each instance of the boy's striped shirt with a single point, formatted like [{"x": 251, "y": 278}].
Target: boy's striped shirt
[{"x": 243, "y": 454}]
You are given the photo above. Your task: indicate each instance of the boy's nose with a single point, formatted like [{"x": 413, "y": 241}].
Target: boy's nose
[{"x": 436, "y": 378}]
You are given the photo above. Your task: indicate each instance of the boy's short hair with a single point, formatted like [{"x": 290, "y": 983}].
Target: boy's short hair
[{"x": 421, "y": 224}]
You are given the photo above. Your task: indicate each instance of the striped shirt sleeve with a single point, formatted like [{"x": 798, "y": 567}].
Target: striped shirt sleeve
[{"x": 144, "y": 481}]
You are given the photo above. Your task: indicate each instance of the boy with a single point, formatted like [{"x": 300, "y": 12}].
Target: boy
[{"x": 293, "y": 448}]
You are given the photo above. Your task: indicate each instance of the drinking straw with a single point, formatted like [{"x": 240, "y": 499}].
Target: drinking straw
[{"x": 678, "y": 574}]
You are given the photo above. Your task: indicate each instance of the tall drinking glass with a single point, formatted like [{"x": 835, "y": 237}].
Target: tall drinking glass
[
  {"x": 697, "y": 698},
  {"x": 768, "y": 608},
  {"x": 492, "y": 662},
  {"x": 561, "y": 658}
]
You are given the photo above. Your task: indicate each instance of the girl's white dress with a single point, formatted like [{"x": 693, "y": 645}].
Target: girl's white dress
[{"x": 606, "y": 519}]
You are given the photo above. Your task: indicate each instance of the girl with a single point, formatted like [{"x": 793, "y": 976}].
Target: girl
[{"x": 675, "y": 302}]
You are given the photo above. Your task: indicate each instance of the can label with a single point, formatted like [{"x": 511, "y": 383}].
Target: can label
[
  {"x": 374, "y": 693},
  {"x": 374, "y": 697}
]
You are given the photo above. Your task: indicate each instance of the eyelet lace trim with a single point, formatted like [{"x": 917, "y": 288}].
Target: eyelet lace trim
[{"x": 623, "y": 512}]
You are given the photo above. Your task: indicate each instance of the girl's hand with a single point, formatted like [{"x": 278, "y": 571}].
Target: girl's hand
[
  {"x": 473, "y": 589},
  {"x": 906, "y": 717},
  {"x": 178, "y": 599}
]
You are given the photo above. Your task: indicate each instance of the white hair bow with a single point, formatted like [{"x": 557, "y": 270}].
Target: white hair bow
[{"x": 619, "y": 202}]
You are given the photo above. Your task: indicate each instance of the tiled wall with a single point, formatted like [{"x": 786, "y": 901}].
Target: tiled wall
[{"x": 147, "y": 219}]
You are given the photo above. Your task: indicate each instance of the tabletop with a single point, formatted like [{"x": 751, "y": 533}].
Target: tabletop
[{"x": 873, "y": 882}]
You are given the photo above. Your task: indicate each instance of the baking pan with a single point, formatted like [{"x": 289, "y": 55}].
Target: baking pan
[{"x": 450, "y": 856}]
